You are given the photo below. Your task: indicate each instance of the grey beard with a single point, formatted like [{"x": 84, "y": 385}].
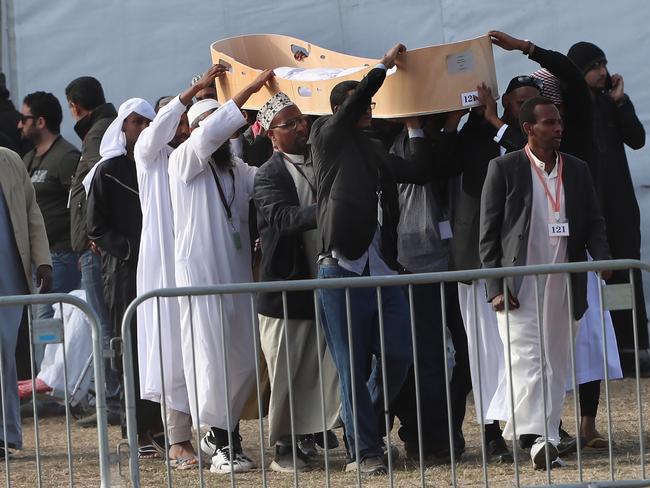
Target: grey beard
[{"x": 221, "y": 156}]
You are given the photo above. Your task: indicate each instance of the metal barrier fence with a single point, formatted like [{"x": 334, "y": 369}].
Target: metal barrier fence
[
  {"x": 51, "y": 331},
  {"x": 625, "y": 294}
]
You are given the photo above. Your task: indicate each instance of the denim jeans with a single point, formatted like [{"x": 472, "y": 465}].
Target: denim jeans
[
  {"x": 366, "y": 343},
  {"x": 93, "y": 285},
  {"x": 65, "y": 278}
]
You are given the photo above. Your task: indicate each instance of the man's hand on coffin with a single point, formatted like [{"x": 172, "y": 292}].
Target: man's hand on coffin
[
  {"x": 206, "y": 81},
  {"x": 498, "y": 303},
  {"x": 453, "y": 119},
  {"x": 507, "y": 42},
  {"x": 486, "y": 99},
  {"x": 256, "y": 85},
  {"x": 390, "y": 58}
]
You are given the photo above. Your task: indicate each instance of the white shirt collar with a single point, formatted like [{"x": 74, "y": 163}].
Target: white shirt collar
[
  {"x": 295, "y": 158},
  {"x": 542, "y": 165}
]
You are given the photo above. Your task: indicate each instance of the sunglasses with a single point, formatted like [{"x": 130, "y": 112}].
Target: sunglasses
[{"x": 25, "y": 118}]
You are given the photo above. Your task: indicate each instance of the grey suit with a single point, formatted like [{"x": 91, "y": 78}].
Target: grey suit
[{"x": 506, "y": 203}]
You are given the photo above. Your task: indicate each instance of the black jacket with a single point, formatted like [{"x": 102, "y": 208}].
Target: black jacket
[
  {"x": 281, "y": 221},
  {"x": 616, "y": 126},
  {"x": 114, "y": 220},
  {"x": 90, "y": 130},
  {"x": 475, "y": 148},
  {"x": 506, "y": 204},
  {"x": 351, "y": 168}
]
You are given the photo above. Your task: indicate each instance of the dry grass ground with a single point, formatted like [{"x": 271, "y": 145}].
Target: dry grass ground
[{"x": 469, "y": 472}]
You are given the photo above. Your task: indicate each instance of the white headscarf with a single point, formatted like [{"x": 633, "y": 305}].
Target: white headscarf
[{"x": 114, "y": 141}]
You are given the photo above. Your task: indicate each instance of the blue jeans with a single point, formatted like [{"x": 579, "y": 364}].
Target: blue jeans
[
  {"x": 65, "y": 278},
  {"x": 92, "y": 283},
  {"x": 366, "y": 343}
]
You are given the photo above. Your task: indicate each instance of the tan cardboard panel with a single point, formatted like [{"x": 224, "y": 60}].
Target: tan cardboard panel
[{"x": 432, "y": 79}]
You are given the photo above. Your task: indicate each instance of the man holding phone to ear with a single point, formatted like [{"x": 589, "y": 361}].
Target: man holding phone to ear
[{"x": 616, "y": 125}]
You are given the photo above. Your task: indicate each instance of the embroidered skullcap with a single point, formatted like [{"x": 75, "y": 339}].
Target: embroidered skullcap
[
  {"x": 272, "y": 107},
  {"x": 201, "y": 107},
  {"x": 550, "y": 85}
]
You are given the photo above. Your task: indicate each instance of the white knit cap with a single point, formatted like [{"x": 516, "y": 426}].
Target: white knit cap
[
  {"x": 201, "y": 107},
  {"x": 272, "y": 107}
]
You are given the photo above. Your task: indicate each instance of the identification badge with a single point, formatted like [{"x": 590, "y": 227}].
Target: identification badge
[
  {"x": 444, "y": 227},
  {"x": 558, "y": 229},
  {"x": 236, "y": 239}
]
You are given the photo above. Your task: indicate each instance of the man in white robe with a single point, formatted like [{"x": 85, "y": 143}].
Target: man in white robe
[
  {"x": 210, "y": 194},
  {"x": 538, "y": 206},
  {"x": 159, "y": 320}
]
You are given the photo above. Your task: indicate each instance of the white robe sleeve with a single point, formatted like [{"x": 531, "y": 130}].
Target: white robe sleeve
[
  {"x": 247, "y": 174},
  {"x": 191, "y": 158},
  {"x": 161, "y": 130}
]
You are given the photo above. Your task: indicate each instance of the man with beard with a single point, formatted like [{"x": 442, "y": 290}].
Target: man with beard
[
  {"x": 160, "y": 322},
  {"x": 285, "y": 196},
  {"x": 615, "y": 126},
  {"x": 51, "y": 165},
  {"x": 114, "y": 222},
  {"x": 210, "y": 195}
]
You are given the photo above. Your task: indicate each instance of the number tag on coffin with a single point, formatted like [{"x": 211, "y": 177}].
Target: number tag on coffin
[{"x": 558, "y": 229}]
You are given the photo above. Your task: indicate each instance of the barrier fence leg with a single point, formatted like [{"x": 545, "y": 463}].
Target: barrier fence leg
[
  {"x": 542, "y": 365},
  {"x": 4, "y": 414},
  {"x": 416, "y": 374},
  {"x": 607, "y": 398},
  {"x": 515, "y": 444},
  {"x": 163, "y": 396},
  {"x": 353, "y": 385},
  {"x": 258, "y": 382},
  {"x": 450, "y": 422},
  {"x": 294, "y": 439},
  {"x": 129, "y": 400},
  {"x": 384, "y": 379},
  {"x": 197, "y": 421},
  {"x": 480, "y": 388},
  {"x": 322, "y": 388},
  {"x": 637, "y": 368},
  {"x": 32, "y": 362},
  {"x": 574, "y": 378},
  {"x": 67, "y": 402},
  {"x": 226, "y": 375}
]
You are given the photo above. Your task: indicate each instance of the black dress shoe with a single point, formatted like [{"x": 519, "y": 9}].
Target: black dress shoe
[
  {"x": 568, "y": 444},
  {"x": 497, "y": 452},
  {"x": 332, "y": 440}
]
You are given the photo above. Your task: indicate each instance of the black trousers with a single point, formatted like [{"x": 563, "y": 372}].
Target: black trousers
[
  {"x": 589, "y": 398},
  {"x": 431, "y": 358},
  {"x": 147, "y": 414}
]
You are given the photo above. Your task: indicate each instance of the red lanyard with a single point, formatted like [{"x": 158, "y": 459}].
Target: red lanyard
[{"x": 555, "y": 202}]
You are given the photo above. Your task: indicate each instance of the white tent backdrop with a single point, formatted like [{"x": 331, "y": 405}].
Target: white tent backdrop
[{"x": 150, "y": 48}]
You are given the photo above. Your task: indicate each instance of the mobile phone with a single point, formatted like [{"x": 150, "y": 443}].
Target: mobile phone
[{"x": 608, "y": 82}]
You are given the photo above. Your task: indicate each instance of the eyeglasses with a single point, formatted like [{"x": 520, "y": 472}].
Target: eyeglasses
[
  {"x": 530, "y": 80},
  {"x": 291, "y": 124},
  {"x": 25, "y": 118}
]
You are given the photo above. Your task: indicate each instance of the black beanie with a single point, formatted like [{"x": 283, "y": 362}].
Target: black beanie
[{"x": 585, "y": 55}]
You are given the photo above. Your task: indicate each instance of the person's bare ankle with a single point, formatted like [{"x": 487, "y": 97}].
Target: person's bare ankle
[{"x": 181, "y": 450}]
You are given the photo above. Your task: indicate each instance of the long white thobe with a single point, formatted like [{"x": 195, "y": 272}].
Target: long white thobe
[
  {"x": 527, "y": 381},
  {"x": 206, "y": 254},
  {"x": 156, "y": 264},
  {"x": 485, "y": 350}
]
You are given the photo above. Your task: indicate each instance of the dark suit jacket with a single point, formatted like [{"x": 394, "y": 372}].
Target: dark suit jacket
[
  {"x": 475, "y": 149},
  {"x": 281, "y": 221},
  {"x": 506, "y": 204},
  {"x": 350, "y": 166}
]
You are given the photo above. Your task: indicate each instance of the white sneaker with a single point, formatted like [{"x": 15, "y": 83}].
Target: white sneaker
[
  {"x": 209, "y": 444},
  {"x": 538, "y": 453},
  {"x": 221, "y": 462}
]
